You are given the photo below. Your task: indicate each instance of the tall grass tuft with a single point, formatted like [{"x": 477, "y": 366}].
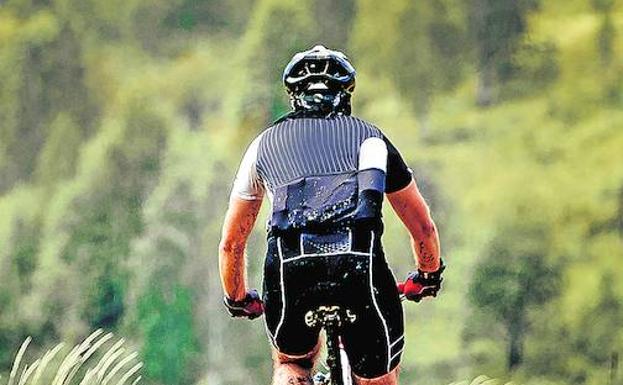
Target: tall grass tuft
[
  {"x": 115, "y": 365},
  {"x": 482, "y": 380}
]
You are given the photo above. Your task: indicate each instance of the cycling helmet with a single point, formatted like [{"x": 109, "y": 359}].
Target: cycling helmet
[{"x": 320, "y": 80}]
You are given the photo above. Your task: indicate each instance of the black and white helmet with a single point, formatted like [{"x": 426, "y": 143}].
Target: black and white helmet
[{"x": 320, "y": 80}]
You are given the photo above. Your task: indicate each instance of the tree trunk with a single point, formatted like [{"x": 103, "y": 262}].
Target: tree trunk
[
  {"x": 614, "y": 367},
  {"x": 424, "y": 124},
  {"x": 421, "y": 107},
  {"x": 484, "y": 90},
  {"x": 515, "y": 347},
  {"x": 620, "y": 215}
]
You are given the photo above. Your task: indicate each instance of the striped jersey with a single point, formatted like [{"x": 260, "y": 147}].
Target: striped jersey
[{"x": 321, "y": 172}]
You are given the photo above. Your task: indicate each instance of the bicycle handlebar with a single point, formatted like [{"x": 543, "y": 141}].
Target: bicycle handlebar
[
  {"x": 415, "y": 291},
  {"x": 401, "y": 291}
]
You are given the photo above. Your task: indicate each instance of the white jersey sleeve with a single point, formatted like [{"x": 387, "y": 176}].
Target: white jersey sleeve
[
  {"x": 248, "y": 185},
  {"x": 373, "y": 154}
]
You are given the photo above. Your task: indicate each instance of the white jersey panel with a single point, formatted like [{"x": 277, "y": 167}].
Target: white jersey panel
[
  {"x": 248, "y": 185},
  {"x": 373, "y": 154}
]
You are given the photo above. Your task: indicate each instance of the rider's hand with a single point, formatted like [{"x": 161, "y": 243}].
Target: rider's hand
[
  {"x": 250, "y": 307},
  {"x": 420, "y": 284}
]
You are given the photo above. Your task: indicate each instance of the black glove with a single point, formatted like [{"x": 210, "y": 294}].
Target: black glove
[
  {"x": 250, "y": 307},
  {"x": 420, "y": 284}
]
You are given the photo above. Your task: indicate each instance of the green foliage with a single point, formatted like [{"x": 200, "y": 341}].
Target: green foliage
[
  {"x": 256, "y": 94},
  {"x": 169, "y": 338},
  {"x": 428, "y": 55},
  {"x": 534, "y": 66},
  {"x": 513, "y": 278},
  {"x": 122, "y": 124},
  {"x": 496, "y": 28},
  {"x": 60, "y": 152},
  {"x": 213, "y": 16},
  {"x": 514, "y": 273}
]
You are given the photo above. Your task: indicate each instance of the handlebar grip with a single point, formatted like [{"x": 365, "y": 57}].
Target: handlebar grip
[
  {"x": 401, "y": 288},
  {"x": 414, "y": 291},
  {"x": 410, "y": 288}
]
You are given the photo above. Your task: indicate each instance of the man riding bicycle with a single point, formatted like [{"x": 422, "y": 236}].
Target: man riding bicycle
[{"x": 326, "y": 173}]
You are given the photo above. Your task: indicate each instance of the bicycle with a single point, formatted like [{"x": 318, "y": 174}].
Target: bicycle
[{"x": 331, "y": 319}]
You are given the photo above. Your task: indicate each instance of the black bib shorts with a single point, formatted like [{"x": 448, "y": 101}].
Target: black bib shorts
[{"x": 348, "y": 269}]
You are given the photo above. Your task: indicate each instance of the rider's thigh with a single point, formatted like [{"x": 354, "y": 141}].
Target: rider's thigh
[
  {"x": 374, "y": 342},
  {"x": 390, "y": 378}
]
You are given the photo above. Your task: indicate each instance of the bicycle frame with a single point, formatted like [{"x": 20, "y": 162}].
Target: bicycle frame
[{"x": 331, "y": 319}]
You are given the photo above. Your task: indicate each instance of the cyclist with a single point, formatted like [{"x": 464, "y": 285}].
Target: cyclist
[{"x": 325, "y": 174}]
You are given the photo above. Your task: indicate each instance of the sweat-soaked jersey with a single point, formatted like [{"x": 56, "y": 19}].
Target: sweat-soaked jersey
[{"x": 321, "y": 173}]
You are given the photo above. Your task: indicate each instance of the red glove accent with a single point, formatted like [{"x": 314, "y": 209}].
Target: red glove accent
[
  {"x": 420, "y": 284},
  {"x": 250, "y": 307},
  {"x": 413, "y": 289}
]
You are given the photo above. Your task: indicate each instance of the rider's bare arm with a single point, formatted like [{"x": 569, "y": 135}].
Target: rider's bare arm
[
  {"x": 411, "y": 208},
  {"x": 239, "y": 221}
]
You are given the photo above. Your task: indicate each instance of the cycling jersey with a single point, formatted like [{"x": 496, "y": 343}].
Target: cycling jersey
[
  {"x": 325, "y": 179},
  {"x": 321, "y": 173}
]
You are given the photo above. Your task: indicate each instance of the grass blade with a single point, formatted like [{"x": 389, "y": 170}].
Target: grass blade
[{"x": 18, "y": 359}]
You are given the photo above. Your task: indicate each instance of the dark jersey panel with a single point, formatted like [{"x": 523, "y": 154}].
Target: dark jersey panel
[{"x": 398, "y": 174}]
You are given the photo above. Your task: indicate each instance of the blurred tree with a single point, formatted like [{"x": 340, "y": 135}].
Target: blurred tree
[
  {"x": 23, "y": 102},
  {"x": 59, "y": 155},
  {"x": 605, "y": 38},
  {"x": 612, "y": 71},
  {"x": 209, "y": 16},
  {"x": 619, "y": 213},
  {"x": 531, "y": 69},
  {"x": 169, "y": 337},
  {"x": 374, "y": 44},
  {"x": 26, "y": 245},
  {"x": 429, "y": 56},
  {"x": 122, "y": 123},
  {"x": 15, "y": 280},
  {"x": 44, "y": 76},
  {"x": 513, "y": 278},
  {"x": 103, "y": 215},
  {"x": 419, "y": 46},
  {"x": 496, "y": 28},
  {"x": 163, "y": 299},
  {"x": 255, "y": 95},
  {"x": 332, "y": 23},
  {"x": 599, "y": 325}
]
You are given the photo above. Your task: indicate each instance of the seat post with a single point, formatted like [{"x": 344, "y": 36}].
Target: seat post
[{"x": 331, "y": 319}]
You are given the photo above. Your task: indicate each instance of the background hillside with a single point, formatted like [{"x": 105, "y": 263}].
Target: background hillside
[{"x": 123, "y": 122}]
